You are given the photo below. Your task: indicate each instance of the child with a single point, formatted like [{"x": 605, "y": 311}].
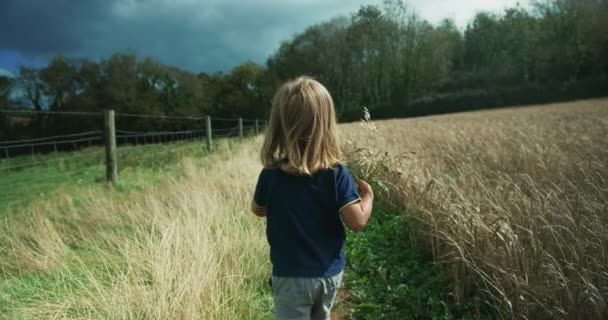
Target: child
[{"x": 303, "y": 191}]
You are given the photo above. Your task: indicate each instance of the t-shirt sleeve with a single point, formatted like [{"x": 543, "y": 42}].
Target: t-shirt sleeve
[
  {"x": 346, "y": 189},
  {"x": 261, "y": 189}
]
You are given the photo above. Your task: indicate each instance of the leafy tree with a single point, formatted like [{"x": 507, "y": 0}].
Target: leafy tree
[
  {"x": 59, "y": 79},
  {"x": 120, "y": 83},
  {"x": 6, "y": 84},
  {"x": 241, "y": 93},
  {"x": 33, "y": 86}
]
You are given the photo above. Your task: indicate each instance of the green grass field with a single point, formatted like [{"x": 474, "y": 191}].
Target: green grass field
[
  {"x": 137, "y": 165},
  {"x": 62, "y": 242}
]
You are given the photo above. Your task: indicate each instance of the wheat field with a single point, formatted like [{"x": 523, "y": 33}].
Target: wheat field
[{"x": 513, "y": 202}]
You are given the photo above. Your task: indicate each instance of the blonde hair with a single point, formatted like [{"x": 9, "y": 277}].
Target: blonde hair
[{"x": 302, "y": 135}]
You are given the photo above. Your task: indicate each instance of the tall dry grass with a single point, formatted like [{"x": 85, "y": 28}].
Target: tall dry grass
[
  {"x": 187, "y": 249},
  {"x": 513, "y": 202}
]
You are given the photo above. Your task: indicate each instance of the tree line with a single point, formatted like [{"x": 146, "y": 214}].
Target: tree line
[{"x": 383, "y": 57}]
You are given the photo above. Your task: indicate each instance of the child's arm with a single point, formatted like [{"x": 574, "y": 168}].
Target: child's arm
[
  {"x": 257, "y": 209},
  {"x": 355, "y": 216},
  {"x": 258, "y": 203}
]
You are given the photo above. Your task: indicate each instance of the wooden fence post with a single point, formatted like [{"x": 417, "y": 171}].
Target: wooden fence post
[
  {"x": 110, "y": 143},
  {"x": 209, "y": 136},
  {"x": 257, "y": 126},
  {"x": 241, "y": 127}
]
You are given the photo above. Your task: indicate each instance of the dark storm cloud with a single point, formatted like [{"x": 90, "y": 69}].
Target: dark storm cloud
[
  {"x": 40, "y": 27},
  {"x": 196, "y": 35},
  {"x": 192, "y": 34}
]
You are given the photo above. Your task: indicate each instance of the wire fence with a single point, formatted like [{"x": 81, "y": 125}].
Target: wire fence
[{"x": 33, "y": 167}]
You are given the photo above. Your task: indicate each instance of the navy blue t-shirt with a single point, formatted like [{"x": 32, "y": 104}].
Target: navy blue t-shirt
[{"x": 303, "y": 226}]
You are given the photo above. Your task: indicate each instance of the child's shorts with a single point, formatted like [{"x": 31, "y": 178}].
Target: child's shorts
[{"x": 304, "y": 298}]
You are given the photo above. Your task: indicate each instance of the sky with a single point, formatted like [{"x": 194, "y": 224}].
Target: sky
[{"x": 196, "y": 35}]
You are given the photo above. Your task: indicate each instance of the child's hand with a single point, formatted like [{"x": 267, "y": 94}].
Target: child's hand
[{"x": 365, "y": 190}]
